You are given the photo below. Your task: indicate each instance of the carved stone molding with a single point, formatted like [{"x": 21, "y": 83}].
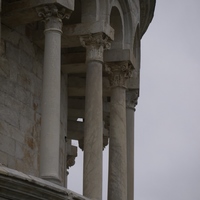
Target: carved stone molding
[
  {"x": 118, "y": 73},
  {"x": 95, "y": 45},
  {"x": 132, "y": 98}
]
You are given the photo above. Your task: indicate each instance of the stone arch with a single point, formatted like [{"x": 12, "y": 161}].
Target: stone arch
[
  {"x": 129, "y": 12},
  {"x": 117, "y": 23},
  {"x": 94, "y": 10},
  {"x": 136, "y": 47}
]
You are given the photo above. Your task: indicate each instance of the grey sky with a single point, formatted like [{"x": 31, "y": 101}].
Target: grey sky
[{"x": 167, "y": 134}]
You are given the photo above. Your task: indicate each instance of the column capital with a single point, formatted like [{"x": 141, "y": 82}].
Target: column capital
[
  {"x": 118, "y": 73},
  {"x": 95, "y": 44},
  {"x": 51, "y": 10},
  {"x": 132, "y": 98}
]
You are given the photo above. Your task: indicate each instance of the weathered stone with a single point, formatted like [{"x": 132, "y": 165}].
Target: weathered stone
[
  {"x": 9, "y": 115},
  {"x": 22, "y": 74},
  {"x": 7, "y": 145}
]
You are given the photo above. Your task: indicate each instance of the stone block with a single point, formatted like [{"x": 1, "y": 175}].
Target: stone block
[
  {"x": 24, "y": 78},
  {"x": 10, "y": 35},
  {"x": 19, "y": 107},
  {"x": 38, "y": 69},
  {"x": 19, "y": 151},
  {"x": 36, "y": 104},
  {"x": 4, "y": 68},
  {"x": 2, "y": 48},
  {"x": 11, "y": 131},
  {"x": 3, "y": 158},
  {"x": 12, "y": 52},
  {"x": 25, "y": 60},
  {"x": 26, "y": 46},
  {"x": 11, "y": 162},
  {"x": 23, "y": 95},
  {"x": 26, "y": 125},
  {"x": 7, "y": 145},
  {"x": 7, "y": 86},
  {"x": 9, "y": 115},
  {"x": 36, "y": 86},
  {"x": 2, "y": 97},
  {"x": 14, "y": 70}
]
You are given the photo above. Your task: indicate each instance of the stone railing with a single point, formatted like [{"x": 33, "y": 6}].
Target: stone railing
[{"x": 19, "y": 186}]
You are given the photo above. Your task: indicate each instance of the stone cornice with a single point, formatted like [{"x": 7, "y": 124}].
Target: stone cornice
[{"x": 118, "y": 73}]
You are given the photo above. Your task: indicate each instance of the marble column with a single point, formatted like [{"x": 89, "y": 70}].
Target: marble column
[
  {"x": 93, "y": 130},
  {"x": 117, "y": 179},
  {"x": 131, "y": 102},
  {"x": 50, "y": 133}
]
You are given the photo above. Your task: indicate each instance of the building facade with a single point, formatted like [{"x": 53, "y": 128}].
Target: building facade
[{"x": 69, "y": 70}]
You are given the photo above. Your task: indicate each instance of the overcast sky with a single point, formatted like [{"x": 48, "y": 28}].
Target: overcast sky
[{"x": 167, "y": 132}]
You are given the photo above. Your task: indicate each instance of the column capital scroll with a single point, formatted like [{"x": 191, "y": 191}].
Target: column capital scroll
[
  {"x": 95, "y": 44},
  {"x": 118, "y": 73},
  {"x": 132, "y": 98}
]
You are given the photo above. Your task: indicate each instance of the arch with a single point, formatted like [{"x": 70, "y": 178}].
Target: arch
[
  {"x": 94, "y": 10},
  {"x": 136, "y": 47},
  {"x": 130, "y": 13},
  {"x": 117, "y": 23}
]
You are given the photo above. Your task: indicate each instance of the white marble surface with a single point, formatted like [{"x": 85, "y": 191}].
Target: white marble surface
[
  {"x": 117, "y": 181},
  {"x": 93, "y": 136},
  {"x": 50, "y": 134},
  {"x": 130, "y": 152}
]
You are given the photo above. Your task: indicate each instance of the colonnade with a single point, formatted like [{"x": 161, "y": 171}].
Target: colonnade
[{"x": 121, "y": 118}]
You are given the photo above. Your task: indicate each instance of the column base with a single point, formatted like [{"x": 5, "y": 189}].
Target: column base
[{"x": 52, "y": 179}]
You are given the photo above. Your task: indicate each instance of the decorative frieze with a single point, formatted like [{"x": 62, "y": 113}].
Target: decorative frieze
[
  {"x": 95, "y": 45},
  {"x": 118, "y": 73}
]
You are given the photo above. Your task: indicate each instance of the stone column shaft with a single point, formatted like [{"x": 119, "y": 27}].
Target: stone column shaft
[
  {"x": 131, "y": 102},
  {"x": 117, "y": 150},
  {"x": 130, "y": 153},
  {"x": 93, "y": 131},
  {"x": 117, "y": 180},
  {"x": 50, "y": 133}
]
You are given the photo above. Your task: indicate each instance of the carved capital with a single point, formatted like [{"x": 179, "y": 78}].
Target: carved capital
[
  {"x": 118, "y": 73},
  {"x": 95, "y": 45},
  {"x": 52, "y": 10},
  {"x": 132, "y": 98},
  {"x": 52, "y": 15}
]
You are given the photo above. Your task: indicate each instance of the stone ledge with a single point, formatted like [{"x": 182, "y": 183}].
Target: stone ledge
[{"x": 19, "y": 186}]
